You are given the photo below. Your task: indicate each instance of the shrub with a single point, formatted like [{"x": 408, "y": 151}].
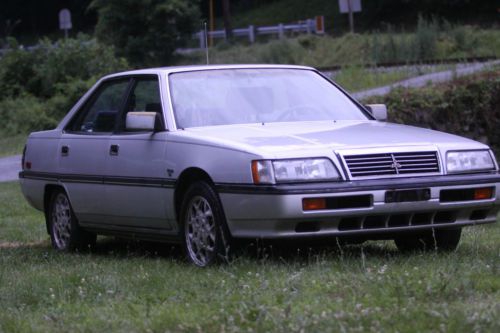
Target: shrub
[
  {"x": 24, "y": 114},
  {"x": 43, "y": 83},
  {"x": 468, "y": 106}
]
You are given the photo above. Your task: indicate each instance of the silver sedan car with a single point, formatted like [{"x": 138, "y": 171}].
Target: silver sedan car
[{"x": 204, "y": 155}]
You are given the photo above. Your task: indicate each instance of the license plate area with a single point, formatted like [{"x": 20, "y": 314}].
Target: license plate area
[{"x": 412, "y": 195}]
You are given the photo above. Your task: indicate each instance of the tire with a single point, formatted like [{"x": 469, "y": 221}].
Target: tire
[
  {"x": 205, "y": 236},
  {"x": 65, "y": 233},
  {"x": 437, "y": 239}
]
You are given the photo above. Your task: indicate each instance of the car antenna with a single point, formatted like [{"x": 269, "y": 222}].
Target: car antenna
[{"x": 206, "y": 40}]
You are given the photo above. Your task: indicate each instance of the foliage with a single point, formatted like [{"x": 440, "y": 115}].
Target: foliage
[
  {"x": 469, "y": 106},
  {"x": 375, "y": 14},
  {"x": 24, "y": 114},
  {"x": 39, "y": 86},
  {"x": 432, "y": 40},
  {"x": 146, "y": 32},
  {"x": 139, "y": 287}
]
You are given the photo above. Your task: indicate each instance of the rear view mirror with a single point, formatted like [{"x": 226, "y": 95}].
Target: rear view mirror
[
  {"x": 143, "y": 121},
  {"x": 379, "y": 111}
]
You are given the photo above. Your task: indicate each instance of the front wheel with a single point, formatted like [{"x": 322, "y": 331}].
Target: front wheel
[
  {"x": 438, "y": 239},
  {"x": 65, "y": 233},
  {"x": 206, "y": 238}
]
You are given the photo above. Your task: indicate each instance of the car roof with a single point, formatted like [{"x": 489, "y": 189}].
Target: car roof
[{"x": 175, "y": 69}]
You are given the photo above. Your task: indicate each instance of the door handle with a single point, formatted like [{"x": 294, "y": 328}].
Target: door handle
[
  {"x": 64, "y": 151},
  {"x": 113, "y": 149}
]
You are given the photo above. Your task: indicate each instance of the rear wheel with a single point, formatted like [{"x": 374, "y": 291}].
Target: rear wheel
[
  {"x": 65, "y": 233},
  {"x": 206, "y": 238},
  {"x": 438, "y": 239}
]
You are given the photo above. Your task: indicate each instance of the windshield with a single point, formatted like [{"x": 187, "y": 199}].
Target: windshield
[{"x": 239, "y": 96}]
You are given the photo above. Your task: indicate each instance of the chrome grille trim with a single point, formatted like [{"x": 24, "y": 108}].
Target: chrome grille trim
[{"x": 392, "y": 164}]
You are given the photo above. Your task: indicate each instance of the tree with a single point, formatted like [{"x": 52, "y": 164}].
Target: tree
[
  {"x": 227, "y": 19},
  {"x": 146, "y": 32}
]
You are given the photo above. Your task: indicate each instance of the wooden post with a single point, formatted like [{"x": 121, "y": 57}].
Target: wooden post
[{"x": 212, "y": 22}]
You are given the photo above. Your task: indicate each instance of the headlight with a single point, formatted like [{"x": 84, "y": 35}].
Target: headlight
[
  {"x": 469, "y": 161},
  {"x": 294, "y": 170}
]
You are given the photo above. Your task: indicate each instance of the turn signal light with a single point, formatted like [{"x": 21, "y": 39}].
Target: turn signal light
[
  {"x": 483, "y": 193},
  {"x": 313, "y": 203}
]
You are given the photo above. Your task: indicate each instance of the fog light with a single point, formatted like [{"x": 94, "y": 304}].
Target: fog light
[
  {"x": 313, "y": 203},
  {"x": 483, "y": 193}
]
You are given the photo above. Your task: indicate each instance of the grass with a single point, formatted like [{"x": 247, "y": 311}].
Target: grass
[
  {"x": 140, "y": 287},
  {"x": 11, "y": 145},
  {"x": 354, "y": 78}
]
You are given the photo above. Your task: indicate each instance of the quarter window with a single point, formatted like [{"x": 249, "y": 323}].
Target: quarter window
[{"x": 144, "y": 97}]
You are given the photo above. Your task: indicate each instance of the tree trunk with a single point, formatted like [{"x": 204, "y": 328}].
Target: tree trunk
[{"x": 227, "y": 19}]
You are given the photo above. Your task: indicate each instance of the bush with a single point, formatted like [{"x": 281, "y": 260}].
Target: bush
[
  {"x": 38, "y": 87},
  {"x": 24, "y": 114},
  {"x": 468, "y": 106}
]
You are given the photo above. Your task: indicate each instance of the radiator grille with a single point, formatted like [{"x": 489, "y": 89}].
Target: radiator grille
[{"x": 392, "y": 164}]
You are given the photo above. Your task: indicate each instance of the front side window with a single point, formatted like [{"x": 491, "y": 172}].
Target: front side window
[
  {"x": 238, "y": 96},
  {"x": 99, "y": 114}
]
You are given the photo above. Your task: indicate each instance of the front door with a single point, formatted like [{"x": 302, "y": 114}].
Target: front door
[{"x": 83, "y": 150}]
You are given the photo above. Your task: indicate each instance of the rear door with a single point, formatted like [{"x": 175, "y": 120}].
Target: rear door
[
  {"x": 83, "y": 149},
  {"x": 137, "y": 189}
]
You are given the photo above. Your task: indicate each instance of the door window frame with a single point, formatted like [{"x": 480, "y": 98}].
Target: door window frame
[{"x": 84, "y": 109}]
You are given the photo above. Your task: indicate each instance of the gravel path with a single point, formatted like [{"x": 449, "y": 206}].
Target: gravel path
[
  {"x": 423, "y": 80},
  {"x": 9, "y": 168}
]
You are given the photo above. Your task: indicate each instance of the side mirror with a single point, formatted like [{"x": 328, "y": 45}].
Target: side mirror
[
  {"x": 379, "y": 111},
  {"x": 143, "y": 121}
]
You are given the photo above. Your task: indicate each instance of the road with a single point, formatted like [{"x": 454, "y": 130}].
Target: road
[
  {"x": 422, "y": 80},
  {"x": 10, "y": 166}
]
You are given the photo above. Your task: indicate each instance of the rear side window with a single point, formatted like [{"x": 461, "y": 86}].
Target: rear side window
[{"x": 100, "y": 113}]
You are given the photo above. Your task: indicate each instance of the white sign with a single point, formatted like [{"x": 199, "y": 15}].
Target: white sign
[
  {"x": 65, "y": 19},
  {"x": 344, "y": 6}
]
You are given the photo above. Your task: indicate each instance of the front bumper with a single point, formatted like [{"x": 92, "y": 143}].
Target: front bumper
[{"x": 277, "y": 212}]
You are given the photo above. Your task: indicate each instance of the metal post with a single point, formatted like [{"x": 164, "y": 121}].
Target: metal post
[
  {"x": 201, "y": 36},
  {"x": 281, "y": 31},
  {"x": 251, "y": 34},
  {"x": 351, "y": 16}
]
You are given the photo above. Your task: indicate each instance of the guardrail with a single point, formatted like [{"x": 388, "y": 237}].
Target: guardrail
[{"x": 309, "y": 26}]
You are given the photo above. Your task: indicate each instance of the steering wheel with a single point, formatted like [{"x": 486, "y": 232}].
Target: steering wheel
[{"x": 295, "y": 112}]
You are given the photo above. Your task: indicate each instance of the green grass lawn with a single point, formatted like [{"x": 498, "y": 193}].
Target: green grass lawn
[{"x": 140, "y": 287}]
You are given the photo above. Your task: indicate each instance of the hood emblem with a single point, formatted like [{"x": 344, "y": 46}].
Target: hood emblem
[{"x": 395, "y": 164}]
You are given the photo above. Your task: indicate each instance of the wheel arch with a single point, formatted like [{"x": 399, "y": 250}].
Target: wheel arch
[
  {"x": 49, "y": 189},
  {"x": 186, "y": 178}
]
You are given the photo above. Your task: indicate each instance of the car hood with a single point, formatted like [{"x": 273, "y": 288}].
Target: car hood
[{"x": 280, "y": 139}]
